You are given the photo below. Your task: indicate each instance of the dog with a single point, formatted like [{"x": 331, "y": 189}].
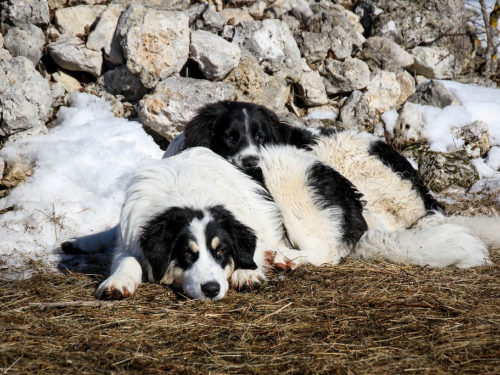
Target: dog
[{"x": 395, "y": 196}]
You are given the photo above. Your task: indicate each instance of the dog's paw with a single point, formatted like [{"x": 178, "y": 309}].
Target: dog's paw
[
  {"x": 247, "y": 280},
  {"x": 118, "y": 286},
  {"x": 278, "y": 261}
]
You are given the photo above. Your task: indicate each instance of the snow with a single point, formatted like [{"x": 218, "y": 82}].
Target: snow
[
  {"x": 82, "y": 167},
  {"x": 321, "y": 115},
  {"x": 81, "y": 170}
]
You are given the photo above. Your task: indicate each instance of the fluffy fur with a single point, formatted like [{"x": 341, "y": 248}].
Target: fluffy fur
[{"x": 193, "y": 221}]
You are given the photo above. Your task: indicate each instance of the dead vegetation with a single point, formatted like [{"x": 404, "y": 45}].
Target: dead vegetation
[{"x": 355, "y": 318}]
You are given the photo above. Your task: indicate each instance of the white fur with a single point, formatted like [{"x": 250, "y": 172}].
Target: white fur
[{"x": 196, "y": 178}]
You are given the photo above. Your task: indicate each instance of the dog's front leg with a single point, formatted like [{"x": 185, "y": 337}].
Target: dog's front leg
[{"x": 126, "y": 275}]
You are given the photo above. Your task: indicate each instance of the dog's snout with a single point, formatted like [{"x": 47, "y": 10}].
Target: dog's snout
[
  {"x": 211, "y": 289},
  {"x": 250, "y": 162}
]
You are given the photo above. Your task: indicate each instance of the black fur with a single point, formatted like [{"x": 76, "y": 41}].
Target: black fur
[
  {"x": 334, "y": 190},
  {"x": 399, "y": 164}
]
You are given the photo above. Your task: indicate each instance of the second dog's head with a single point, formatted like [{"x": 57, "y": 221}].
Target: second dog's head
[{"x": 237, "y": 131}]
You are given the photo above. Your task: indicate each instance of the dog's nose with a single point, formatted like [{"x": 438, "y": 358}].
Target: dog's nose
[
  {"x": 211, "y": 289},
  {"x": 250, "y": 161}
]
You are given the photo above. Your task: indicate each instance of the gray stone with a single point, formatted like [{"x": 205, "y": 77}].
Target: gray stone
[
  {"x": 257, "y": 9},
  {"x": 433, "y": 93},
  {"x": 345, "y": 76},
  {"x": 25, "y": 40},
  {"x": 234, "y": 16},
  {"x": 299, "y": 8},
  {"x": 272, "y": 44},
  {"x": 59, "y": 97},
  {"x": 407, "y": 84},
  {"x": 228, "y": 32},
  {"x": 203, "y": 17},
  {"x": 120, "y": 81},
  {"x": 20, "y": 12},
  {"x": 383, "y": 53},
  {"x": 383, "y": 91},
  {"x": 71, "y": 54},
  {"x": 159, "y": 4},
  {"x": 475, "y": 137},
  {"x": 252, "y": 84},
  {"x": 155, "y": 42},
  {"x": 2, "y": 168},
  {"x": 4, "y": 55},
  {"x": 70, "y": 84},
  {"x": 175, "y": 100},
  {"x": 311, "y": 89},
  {"x": 118, "y": 107},
  {"x": 435, "y": 63},
  {"x": 215, "y": 56},
  {"x": 410, "y": 129},
  {"x": 315, "y": 46},
  {"x": 25, "y": 99},
  {"x": 77, "y": 20},
  {"x": 102, "y": 37},
  {"x": 356, "y": 114}
]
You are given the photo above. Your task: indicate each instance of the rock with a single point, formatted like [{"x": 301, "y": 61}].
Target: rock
[
  {"x": 102, "y": 37},
  {"x": 21, "y": 12},
  {"x": 328, "y": 20},
  {"x": 2, "y": 168},
  {"x": 158, "y": 4},
  {"x": 315, "y": 47},
  {"x": 299, "y": 8},
  {"x": 252, "y": 84},
  {"x": 311, "y": 89},
  {"x": 475, "y": 137},
  {"x": 441, "y": 171},
  {"x": 290, "y": 119},
  {"x": 25, "y": 40},
  {"x": 257, "y": 9},
  {"x": 58, "y": 92},
  {"x": 236, "y": 16},
  {"x": 4, "y": 55},
  {"x": 70, "y": 84},
  {"x": 25, "y": 99},
  {"x": 407, "y": 84},
  {"x": 155, "y": 42},
  {"x": 120, "y": 81},
  {"x": 228, "y": 33},
  {"x": 347, "y": 76},
  {"x": 383, "y": 91},
  {"x": 77, "y": 20},
  {"x": 435, "y": 63},
  {"x": 477, "y": 80},
  {"x": 410, "y": 129},
  {"x": 119, "y": 108},
  {"x": 175, "y": 100},
  {"x": 272, "y": 44},
  {"x": 71, "y": 54},
  {"x": 203, "y": 17},
  {"x": 356, "y": 114},
  {"x": 215, "y": 56},
  {"x": 383, "y": 53},
  {"x": 433, "y": 93}
]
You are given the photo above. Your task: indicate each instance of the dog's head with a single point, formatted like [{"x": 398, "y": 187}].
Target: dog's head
[
  {"x": 237, "y": 131},
  {"x": 197, "y": 250}
]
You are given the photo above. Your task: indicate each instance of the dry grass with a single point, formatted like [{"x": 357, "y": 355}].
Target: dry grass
[{"x": 355, "y": 318}]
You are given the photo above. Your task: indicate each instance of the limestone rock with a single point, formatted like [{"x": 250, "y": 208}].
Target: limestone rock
[
  {"x": 407, "y": 84},
  {"x": 356, "y": 114},
  {"x": 252, "y": 84},
  {"x": 77, "y": 20},
  {"x": 235, "y": 16},
  {"x": 70, "y": 84},
  {"x": 203, "y": 17},
  {"x": 175, "y": 100},
  {"x": 120, "y": 81},
  {"x": 155, "y": 42},
  {"x": 20, "y": 12},
  {"x": 345, "y": 76},
  {"x": 25, "y": 40},
  {"x": 25, "y": 99},
  {"x": 311, "y": 89},
  {"x": 71, "y": 54},
  {"x": 433, "y": 93},
  {"x": 383, "y": 53},
  {"x": 383, "y": 91},
  {"x": 435, "y": 63},
  {"x": 159, "y": 4},
  {"x": 215, "y": 56},
  {"x": 475, "y": 137}
]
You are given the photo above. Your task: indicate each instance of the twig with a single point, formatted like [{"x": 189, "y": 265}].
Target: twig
[
  {"x": 43, "y": 305},
  {"x": 273, "y": 313}
]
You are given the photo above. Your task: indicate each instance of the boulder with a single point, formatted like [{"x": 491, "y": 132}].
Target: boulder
[
  {"x": 71, "y": 54},
  {"x": 215, "y": 56},
  {"x": 25, "y": 40},
  {"x": 235, "y": 16},
  {"x": 383, "y": 91},
  {"x": 435, "y": 63},
  {"x": 383, "y": 53},
  {"x": 433, "y": 93},
  {"x": 252, "y": 84},
  {"x": 345, "y": 76},
  {"x": 407, "y": 84},
  {"x": 356, "y": 114},
  {"x": 272, "y": 43},
  {"x": 174, "y": 102},
  {"x": 25, "y": 99},
  {"x": 102, "y": 37},
  {"x": 155, "y": 42},
  {"x": 120, "y": 81},
  {"x": 203, "y": 17},
  {"x": 311, "y": 89},
  {"x": 77, "y": 20},
  {"x": 21, "y": 12}
]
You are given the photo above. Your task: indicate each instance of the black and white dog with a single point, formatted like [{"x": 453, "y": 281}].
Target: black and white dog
[{"x": 396, "y": 199}]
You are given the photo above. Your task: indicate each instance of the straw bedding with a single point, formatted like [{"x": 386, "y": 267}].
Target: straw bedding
[{"x": 355, "y": 318}]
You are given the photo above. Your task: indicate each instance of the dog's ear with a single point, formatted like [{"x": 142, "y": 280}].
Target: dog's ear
[
  {"x": 244, "y": 238},
  {"x": 158, "y": 237},
  {"x": 292, "y": 135},
  {"x": 198, "y": 132}
]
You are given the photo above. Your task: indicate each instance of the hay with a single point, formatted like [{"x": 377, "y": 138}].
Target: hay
[{"x": 355, "y": 318}]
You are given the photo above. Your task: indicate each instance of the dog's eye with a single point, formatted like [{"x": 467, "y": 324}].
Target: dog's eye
[
  {"x": 188, "y": 254},
  {"x": 259, "y": 137},
  {"x": 229, "y": 138},
  {"x": 220, "y": 251}
]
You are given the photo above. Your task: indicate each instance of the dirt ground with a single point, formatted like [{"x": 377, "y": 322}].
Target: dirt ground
[{"x": 355, "y": 318}]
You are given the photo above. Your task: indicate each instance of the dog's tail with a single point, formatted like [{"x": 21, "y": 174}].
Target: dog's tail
[
  {"x": 485, "y": 227},
  {"x": 433, "y": 247}
]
